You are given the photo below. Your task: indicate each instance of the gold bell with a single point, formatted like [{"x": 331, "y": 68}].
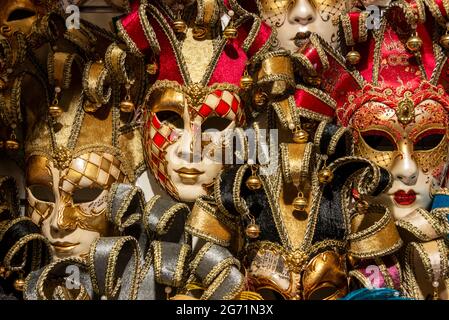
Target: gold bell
[
  {"x": 252, "y": 230},
  {"x": 230, "y": 32},
  {"x": 300, "y": 136},
  {"x": 325, "y": 175},
  {"x": 414, "y": 43},
  {"x": 55, "y": 110},
  {"x": 12, "y": 145},
  {"x": 19, "y": 284},
  {"x": 127, "y": 105},
  {"x": 444, "y": 41},
  {"x": 152, "y": 68},
  {"x": 179, "y": 26},
  {"x": 353, "y": 57},
  {"x": 253, "y": 183},
  {"x": 246, "y": 81},
  {"x": 91, "y": 106},
  {"x": 300, "y": 202}
]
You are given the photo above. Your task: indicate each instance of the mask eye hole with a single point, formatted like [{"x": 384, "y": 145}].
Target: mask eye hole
[
  {"x": 20, "y": 14},
  {"x": 85, "y": 195},
  {"x": 170, "y": 117},
  {"x": 42, "y": 193},
  {"x": 216, "y": 123},
  {"x": 379, "y": 140},
  {"x": 429, "y": 139}
]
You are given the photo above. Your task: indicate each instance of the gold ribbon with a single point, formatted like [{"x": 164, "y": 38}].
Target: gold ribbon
[{"x": 426, "y": 258}]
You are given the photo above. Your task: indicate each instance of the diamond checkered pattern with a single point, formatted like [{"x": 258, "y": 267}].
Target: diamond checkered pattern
[
  {"x": 92, "y": 169},
  {"x": 158, "y": 135}
]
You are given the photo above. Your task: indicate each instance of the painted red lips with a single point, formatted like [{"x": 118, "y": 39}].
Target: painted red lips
[{"x": 404, "y": 198}]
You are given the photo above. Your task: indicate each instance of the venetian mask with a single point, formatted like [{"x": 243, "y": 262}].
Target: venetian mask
[
  {"x": 408, "y": 135},
  {"x": 69, "y": 201},
  {"x": 18, "y": 15},
  {"x": 185, "y": 131},
  {"x": 296, "y": 19}
]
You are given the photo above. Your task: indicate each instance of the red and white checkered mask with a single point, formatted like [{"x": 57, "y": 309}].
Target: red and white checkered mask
[
  {"x": 68, "y": 201},
  {"x": 184, "y": 134}
]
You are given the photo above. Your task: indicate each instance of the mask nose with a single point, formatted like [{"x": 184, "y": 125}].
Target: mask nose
[
  {"x": 189, "y": 146},
  {"x": 61, "y": 220},
  {"x": 405, "y": 168},
  {"x": 303, "y": 12}
]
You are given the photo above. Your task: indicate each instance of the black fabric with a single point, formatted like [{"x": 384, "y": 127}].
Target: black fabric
[
  {"x": 259, "y": 207},
  {"x": 17, "y": 232},
  {"x": 256, "y": 201},
  {"x": 384, "y": 181},
  {"x": 226, "y": 186},
  {"x": 331, "y": 221}
]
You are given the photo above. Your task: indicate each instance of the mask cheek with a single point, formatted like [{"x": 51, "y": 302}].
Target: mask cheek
[
  {"x": 92, "y": 215},
  {"x": 38, "y": 210}
]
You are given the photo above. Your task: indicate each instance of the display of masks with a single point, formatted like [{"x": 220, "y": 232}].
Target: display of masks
[{"x": 299, "y": 148}]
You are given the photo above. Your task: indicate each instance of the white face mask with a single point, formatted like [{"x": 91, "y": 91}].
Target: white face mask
[
  {"x": 69, "y": 204},
  {"x": 184, "y": 141},
  {"x": 295, "y": 20},
  {"x": 415, "y": 153}
]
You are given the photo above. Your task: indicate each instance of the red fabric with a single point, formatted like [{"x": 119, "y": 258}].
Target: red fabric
[
  {"x": 260, "y": 40},
  {"x": 308, "y": 101},
  {"x": 354, "y": 19},
  {"x": 168, "y": 67},
  {"x": 441, "y": 7},
  {"x": 131, "y": 23},
  {"x": 428, "y": 58},
  {"x": 311, "y": 53},
  {"x": 230, "y": 66}
]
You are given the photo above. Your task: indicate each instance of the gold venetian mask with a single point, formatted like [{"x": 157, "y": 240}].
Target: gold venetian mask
[
  {"x": 18, "y": 15},
  {"x": 411, "y": 141},
  {"x": 67, "y": 198}
]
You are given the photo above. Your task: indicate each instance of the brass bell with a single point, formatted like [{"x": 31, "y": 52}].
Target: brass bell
[
  {"x": 300, "y": 136},
  {"x": 19, "y": 284},
  {"x": 414, "y": 43},
  {"x": 246, "y": 81},
  {"x": 230, "y": 32},
  {"x": 91, "y": 106},
  {"x": 300, "y": 202},
  {"x": 127, "y": 106},
  {"x": 179, "y": 26},
  {"x": 253, "y": 183},
  {"x": 325, "y": 175},
  {"x": 12, "y": 145},
  {"x": 152, "y": 68},
  {"x": 444, "y": 41},
  {"x": 353, "y": 57},
  {"x": 252, "y": 231},
  {"x": 260, "y": 98}
]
